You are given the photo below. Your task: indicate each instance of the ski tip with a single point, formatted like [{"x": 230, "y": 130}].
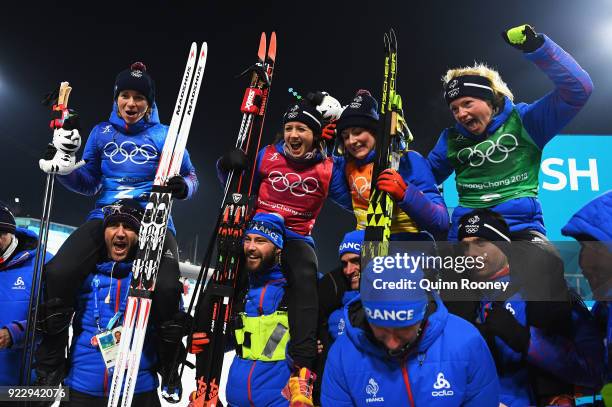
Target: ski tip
[
  {"x": 261, "y": 53},
  {"x": 193, "y": 51},
  {"x": 272, "y": 49},
  {"x": 393, "y": 39},
  {"x": 204, "y": 49}
]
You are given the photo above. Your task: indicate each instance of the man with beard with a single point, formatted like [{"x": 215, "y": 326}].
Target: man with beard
[
  {"x": 97, "y": 323},
  {"x": 260, "y": 371}
]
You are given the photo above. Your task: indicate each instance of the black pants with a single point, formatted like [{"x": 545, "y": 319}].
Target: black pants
[
  {"x": 78, "y": 399},
  {"x": 78, "y": 256},
  {"x": 300, "y": 266}
]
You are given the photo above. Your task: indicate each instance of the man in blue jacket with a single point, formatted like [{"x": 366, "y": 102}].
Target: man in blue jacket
[
  {"x": 99, "y": 313},
  {"x": 260, "y": 370},
  {"x": 592, "y": 227},
  {"x": 401, "y": 347},
  {"x": 541, "y": 347},
  {"x": 349, "y": 252},
  {"x": 17, "y": 254}
]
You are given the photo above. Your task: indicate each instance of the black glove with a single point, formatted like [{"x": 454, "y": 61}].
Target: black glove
[
  {"x": 49, "y": 152},
  {"x": 178, "y": 187},
  {"x": 233, "y": 160},
  {"x": 553, "y": 316},
  {"x": 174, "y": 330},
  {"x": 502, "y": 324},
  {"x": 523, "y": 37}
]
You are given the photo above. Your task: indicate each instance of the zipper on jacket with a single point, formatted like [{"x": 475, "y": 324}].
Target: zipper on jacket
[
  {"x": 263, "y": 293},
  {"x": 407, "y": 381},
  {"x": 249, "y": 395},
  {"x": 117, "y": 303}
]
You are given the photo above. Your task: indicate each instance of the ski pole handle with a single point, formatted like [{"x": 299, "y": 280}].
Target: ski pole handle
[{"x": 61, "y": 106}]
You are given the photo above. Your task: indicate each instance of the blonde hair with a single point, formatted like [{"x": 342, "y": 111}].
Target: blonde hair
[{"x": 500, "y": 89}]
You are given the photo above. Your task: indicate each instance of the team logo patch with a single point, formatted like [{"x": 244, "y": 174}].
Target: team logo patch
[
  {"x": 442, "y": 387},
  {"x": 18, "y": 284},
  {"x": 372, "y": 390}
]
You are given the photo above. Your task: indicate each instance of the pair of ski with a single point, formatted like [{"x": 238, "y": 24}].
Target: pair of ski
[
  {"x": 215, "y": 301},
  {"x": 152, "y": 234},
  {"x": 394, "y": 136}
]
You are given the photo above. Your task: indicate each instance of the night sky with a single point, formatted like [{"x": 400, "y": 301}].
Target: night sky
[{"x": 332, "y": 46}]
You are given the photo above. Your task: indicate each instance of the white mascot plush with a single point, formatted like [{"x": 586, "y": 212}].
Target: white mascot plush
[{"x": 66, "y": 142}]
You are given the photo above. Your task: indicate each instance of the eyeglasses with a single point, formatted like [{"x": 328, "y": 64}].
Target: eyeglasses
[{"x": 118, "y": 209}]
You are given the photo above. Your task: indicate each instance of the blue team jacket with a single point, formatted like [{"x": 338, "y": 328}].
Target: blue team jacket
[
  {"x": 121, "y": 162},
  {"x": 542, "y": 119},
  {"x": 451, "y": 366},
  {"x": 336, "y": 323},
  {"x": 595, "y": 221},
  {"x": 15, "y": 288},
  {"x": 422, "y": 201},
  {"x": 88, "y": 373},
  {"x": 253, "y": 382}
]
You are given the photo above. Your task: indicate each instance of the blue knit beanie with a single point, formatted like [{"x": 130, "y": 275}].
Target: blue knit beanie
[
  {"x": 390, "y": 293},
  {"x": 361, "y": 112},
  {"x": 351, "y": 243},
  {"x": 269, "y": 225},
  {"x": 136, "y": 78},
  {"x": 7, "y": 220}
]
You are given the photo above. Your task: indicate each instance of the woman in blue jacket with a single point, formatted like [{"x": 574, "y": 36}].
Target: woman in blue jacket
[
  {"x": 401, "y": 347},
  {"x": 17, "y": 254},
  {"x": 101, "y": 303},
  {"x": 121, "y": 158},
  {"x": 412, "y": 185},
  {"x": 496, "y": 146}
]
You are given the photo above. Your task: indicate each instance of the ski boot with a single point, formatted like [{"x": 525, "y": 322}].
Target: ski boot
[
  {"x": 300, "y": 387},
  {"x": 172, "y": 352}
]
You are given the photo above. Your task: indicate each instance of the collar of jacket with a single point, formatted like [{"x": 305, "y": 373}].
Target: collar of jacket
[
  {"x": 122, "y": 269},
  {"x": 120, "y": 125},
  {"x": 26, "y": 248},
  {"x": 314, "y": 160},
  {"x": 263, "y": 277},
  {"x": 354, "y": 316}
]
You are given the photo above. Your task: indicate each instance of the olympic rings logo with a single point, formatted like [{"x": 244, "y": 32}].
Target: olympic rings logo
[
  {"x": 361, "y": 186},
  {"x": 485, "y": 151},
  {"x": 472, "y": 228},
  {"x": 293, "y": 182},
  {"x": 128, "y": 150}
]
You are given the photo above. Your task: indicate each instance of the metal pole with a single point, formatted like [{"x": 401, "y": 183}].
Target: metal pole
[{"x": 35, "y": 288}]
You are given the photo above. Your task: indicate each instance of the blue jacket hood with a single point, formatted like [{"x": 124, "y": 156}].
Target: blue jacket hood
[
  {"x": 594, "y": 219},
  {"x": 26, "y": 248},
  {"x": 434, "y": 328},
  {"x": 120, "y": 124},
  {"x": 116, "y": 269}
]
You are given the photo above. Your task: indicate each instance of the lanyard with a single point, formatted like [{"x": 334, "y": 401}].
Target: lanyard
[{"x": 95, "y": 285}]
